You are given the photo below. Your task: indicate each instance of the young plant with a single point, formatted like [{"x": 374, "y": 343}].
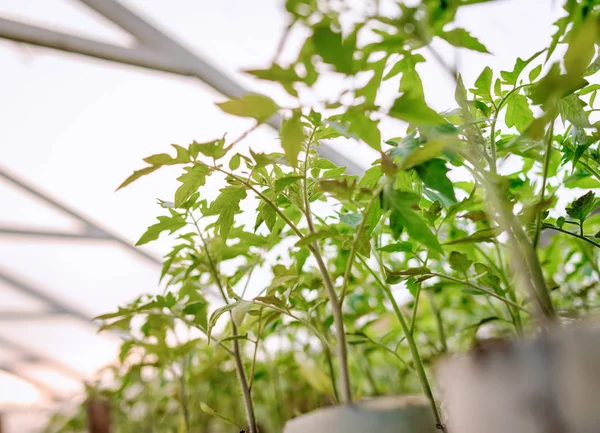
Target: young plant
[{"x": 294, "y": 249}]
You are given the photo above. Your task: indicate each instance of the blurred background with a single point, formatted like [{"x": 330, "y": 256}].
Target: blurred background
[{"x": 73, "y": 127}]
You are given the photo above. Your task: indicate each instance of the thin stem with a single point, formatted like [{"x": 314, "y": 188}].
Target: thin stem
[
  {"x": 579, "y": 236},
  {"x": 590, "y": 169},
  {"x": 336, "y": 306},
  {"x": 357, "y": 236},
  {"x": 438, "y": 320},
  {"x": 237, "y": 355},
  {"x": 481, "y": 289},
  {"x": 538, "y": 220},
  {"x": 414, "y": 351},
  {"x": 184, "y": 397},
  {"x": 252, "y": 368},
  {"x": 413, "y": 318},
  {"x": 331, "y": 374}
]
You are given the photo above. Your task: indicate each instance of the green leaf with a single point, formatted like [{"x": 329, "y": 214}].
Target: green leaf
[
  {"x": 215, "y": 316},
  {"x": 582, "y": 207},
  {"x": 137, "y": 174},
  {"x": 271, "y": 300},
  {"x": 292, "y": 137},
  {"x": 213, "y": 149},
  {"x": 351, "y": 219},
  {"x": 518, "y": 113},
  {"x": 582, "y": 48},
  {"x": 316, "y": 236},
  {"x": 340, "y": 189},
  {"x": 571, "y": 109},
  {"x": 333, "y": 49},
  {"x": 365, "y": 128},
  {"x": 414, "y": 224},
  {"x": 258, "y": 107},
  {"x": 483, "y": 84},
  {"x": 459, "y": 262},
  {"x": 199, "y": 310},
  {"x": 165, "y": 223},
  {"x": 231, "y": 294},
  {"x": 227, "y": 205},
  {"x": 414, "y": 110},
  {"x": 433, "y": 175},
  {"x": 193, "y": 178},
  {"x": 463, "y": 39},
  {"x": 239, "y": 311},
  {"x": 209, "y": 411},
  {"x": 283, "y": 182},
  {"x": 483, "y": 235},
  {"x": 535, "y": 72},
  {"x": 234, "y": 162},
  {"x": 397, "y": 247},
  {"x": 285, "y": 77},
  {"x": 397, "y": 276}
]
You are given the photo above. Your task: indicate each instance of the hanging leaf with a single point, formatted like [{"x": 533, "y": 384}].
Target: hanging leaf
[
  {"x": 582, "y": 207},
  {"x": 397, "y": 247},
  {"x": 333, "y": 49},
  {"x": 292, "y": 137},
  {"x": 459, "y": 262},
  {"x": 213, "y": 149},
  {"x": 193, "y": 178},
  {"x": 209, "y": 411},
  {"x": 582, "y": 48},
  {"x": 239, "y": 311},
  {"x": 433, "y": 175},
  {"x": 258, "y": 107},
  {"x": 483, "y": 84},
  {"x": 518, "y": 113},
  {"x": 365, "y": 128},
  {"x": 571, "y": 108},
  {"x": 463, "y": 39},
  {"x": 165, "y": 223},
  {"x": 227, "y": 205},
  {"x": 414, "y": 110}
]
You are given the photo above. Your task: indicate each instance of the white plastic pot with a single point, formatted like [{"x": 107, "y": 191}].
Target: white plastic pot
[
  {"x": 550, "y": 384},
  {"x": 395, "y": 414}
]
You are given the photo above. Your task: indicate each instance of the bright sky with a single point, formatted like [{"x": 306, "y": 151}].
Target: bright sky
[{"x": 75, "y": 128}]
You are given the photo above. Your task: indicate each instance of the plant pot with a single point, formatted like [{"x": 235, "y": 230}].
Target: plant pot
[
  {"x": 550, "y": 384},
  {"x": 394, "y": 414}
]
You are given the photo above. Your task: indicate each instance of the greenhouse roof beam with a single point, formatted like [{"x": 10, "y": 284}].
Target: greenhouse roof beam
[
  {"x": 28, "y": 355},
  {"x": 18, "y": 231},
  {"x": 92, "y": 229},
  {"x": 155, "y": 51},
  {"x": 55, "y": 304}
]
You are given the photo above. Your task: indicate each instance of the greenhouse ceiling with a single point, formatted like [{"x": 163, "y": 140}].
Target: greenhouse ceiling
[{"x": 89, "y": 88}]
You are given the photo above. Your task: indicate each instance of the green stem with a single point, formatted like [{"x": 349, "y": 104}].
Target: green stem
[
  {"x": 590, "y": 169},
  {"x": 252, "y": 368},
  {"x": 336, "y": 303},
  {"x": 481, "y": 289},
  {"x": 414, "y": 351},
  {"x": 583, "y": 238},
  {"x": 538, "y": 220},
  {"x": 438, "y": 320},
  {"x": 237, "y": 355},
  {"x": 357, "y": 236},
  {"x": 413, "y": 318}
]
